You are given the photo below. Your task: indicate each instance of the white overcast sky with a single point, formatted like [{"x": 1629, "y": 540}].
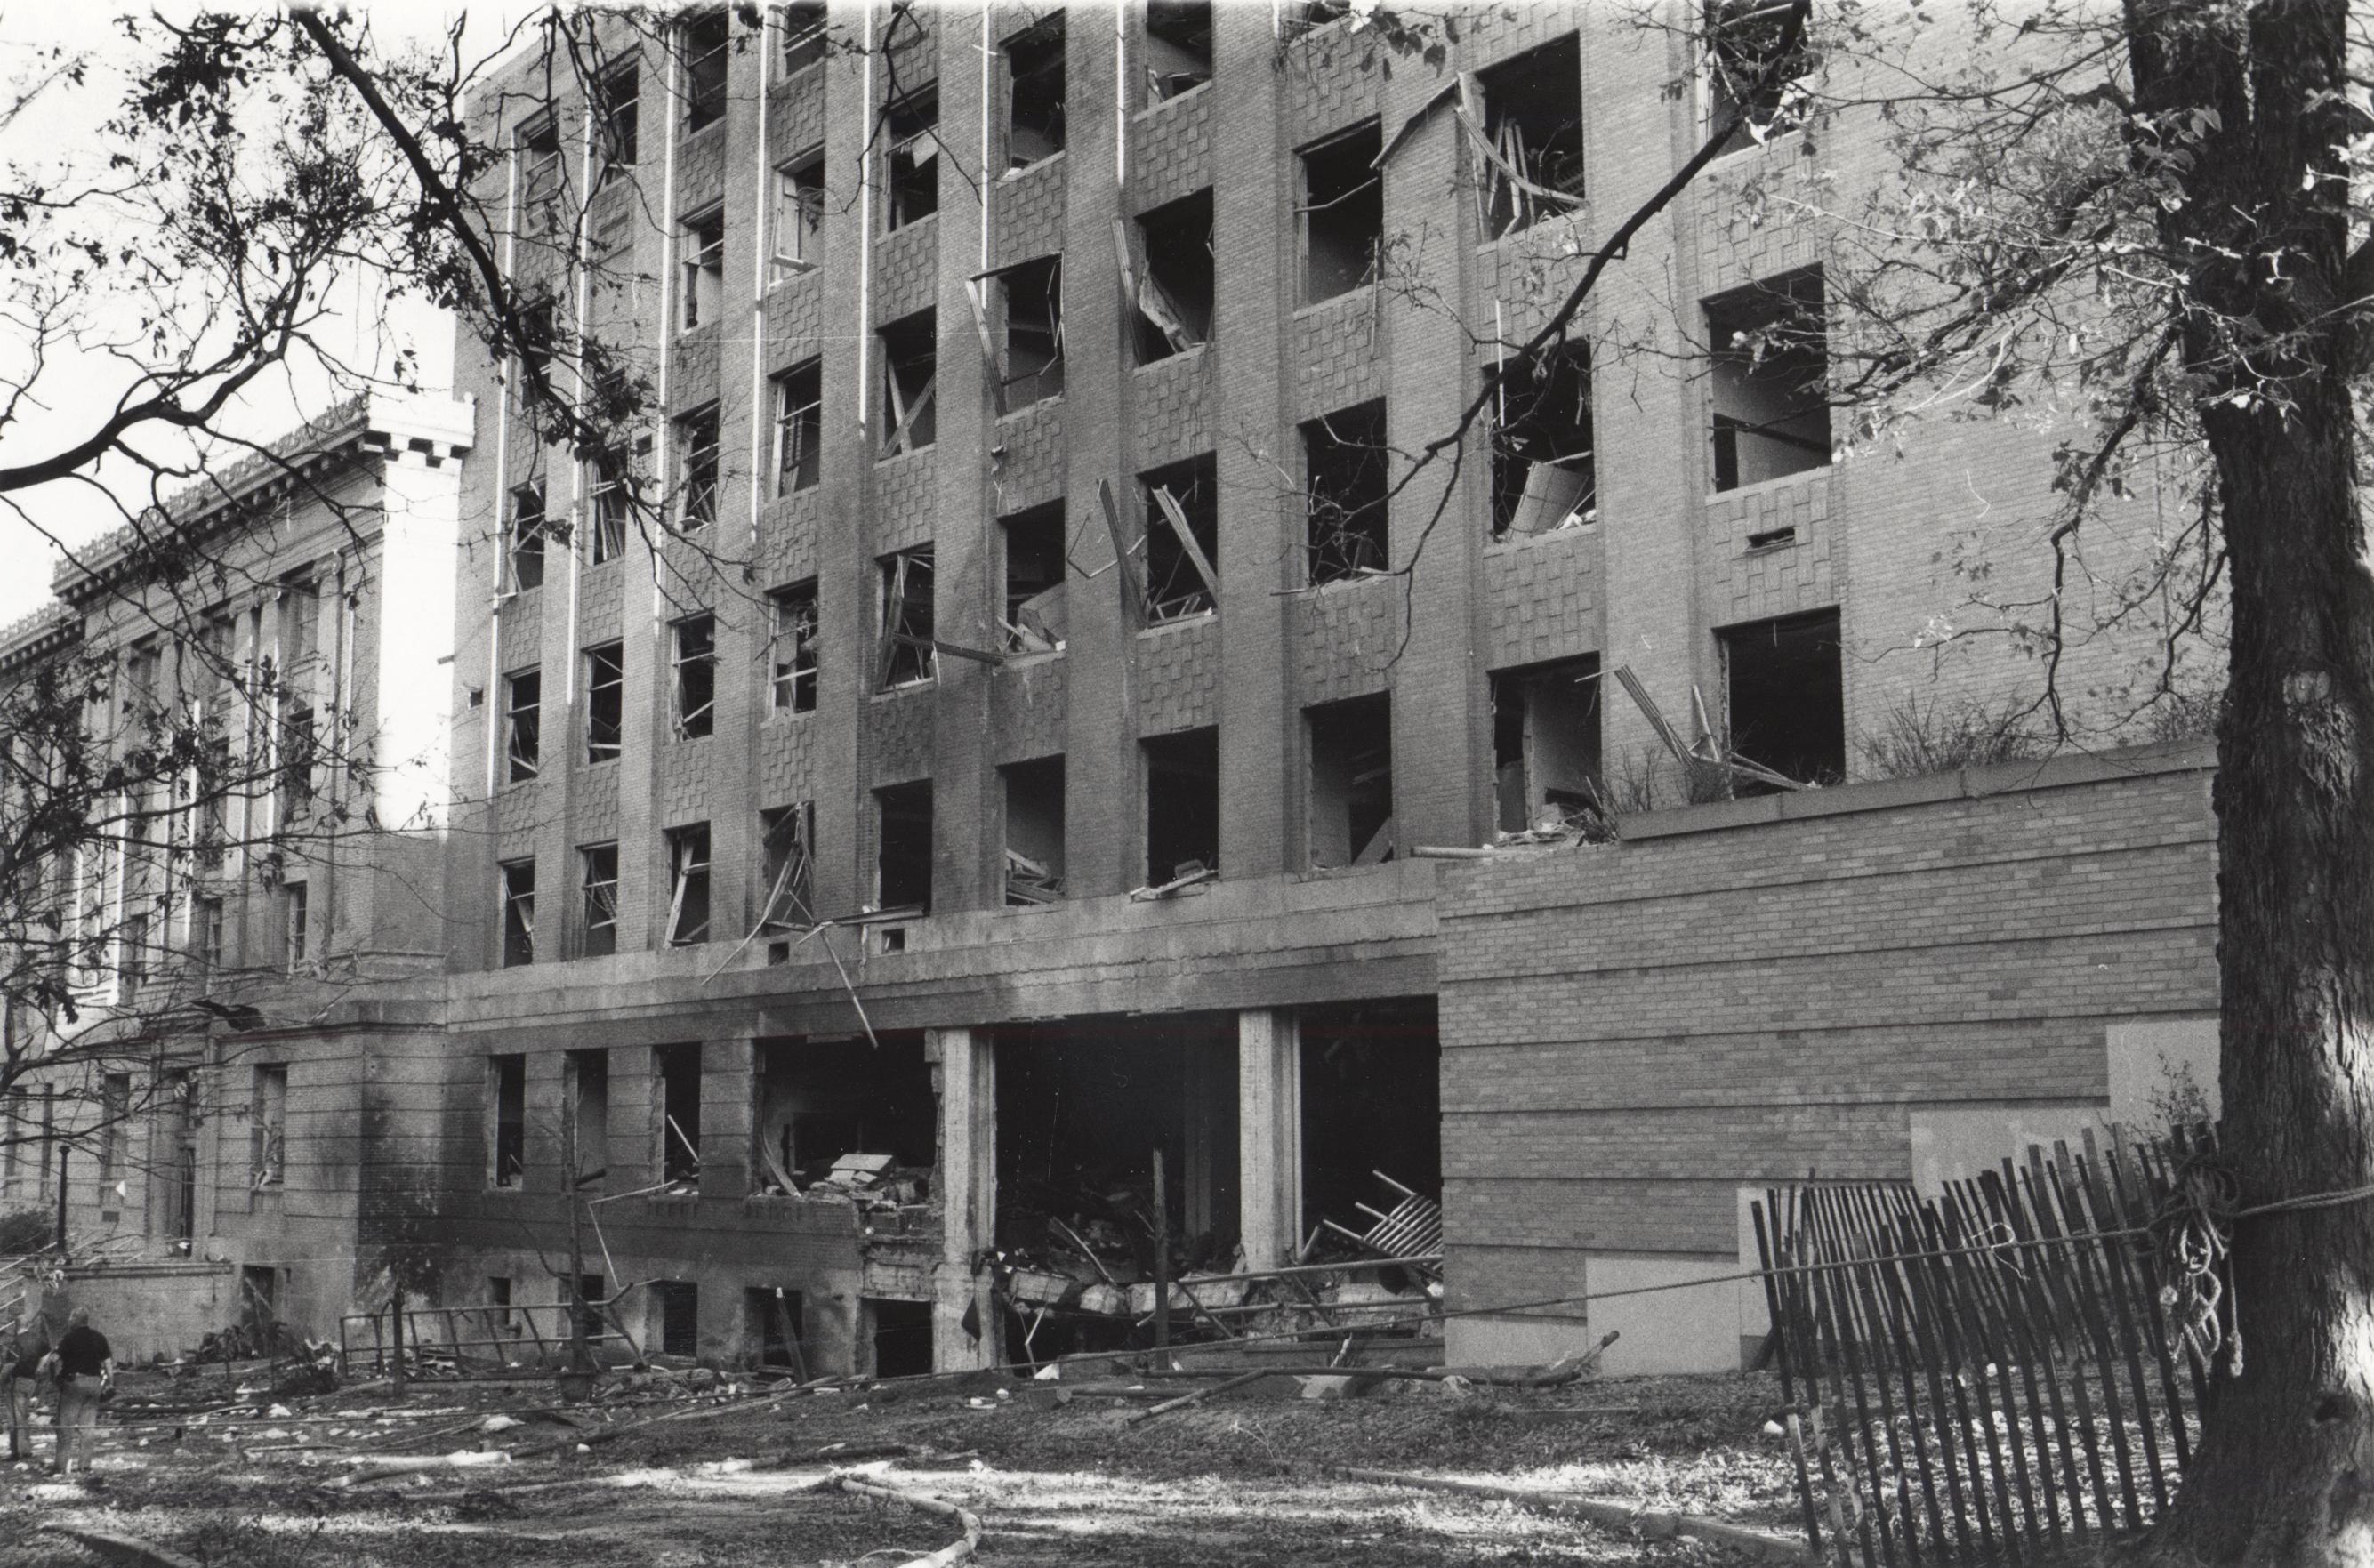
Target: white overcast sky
[{"x": 67, "y": 128}]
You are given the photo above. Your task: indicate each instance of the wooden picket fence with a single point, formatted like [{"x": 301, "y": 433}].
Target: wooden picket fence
[{"x": 1990, "y": 1374}]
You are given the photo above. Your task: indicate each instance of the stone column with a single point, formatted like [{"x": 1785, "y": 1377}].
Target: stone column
[
  {"x": 1269, "y": 1133},
  {"x": 964, "y": 1074}
]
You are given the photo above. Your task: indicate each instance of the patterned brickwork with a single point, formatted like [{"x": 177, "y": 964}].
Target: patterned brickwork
[
  {"x": 785, "y": 744},
  {"x": 796, "y": 117},
  {"x": 1751, "y": 583},
  {"x": 1171, "y": 151},
  {"x": 1330, "y": 81},
  {"x": 700, "y": 170},
  {"x": 1172, "y": 400},
  {"x": 594, "y": 805},
  {"x": 794, "y": 319},
  {"x": 906, "y": 499},
  {"x": 1030, "y": 468},
  {"x": 1751, "y": 214},
  {"x": 684, "y": 769},
  {"x": 1178, "y": 676},
  {"x": 1026, "y": 212},
  {"x": 787, "y": 539},
  {"x": 693, "y": 368},
  {"x": 906, "y": 267},
  {"x": 1542, "y": 597},
  {"x": 1027, "y": 709},
  {"x": 1337, "y": 352},
  {"x": 1347, "y": 634},
  {"x": 898, "y": 736}
]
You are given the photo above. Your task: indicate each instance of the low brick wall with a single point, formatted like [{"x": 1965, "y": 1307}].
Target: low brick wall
[
  {"x": 1855, "y": 982},
  {"x": 154, "y": 1309}
]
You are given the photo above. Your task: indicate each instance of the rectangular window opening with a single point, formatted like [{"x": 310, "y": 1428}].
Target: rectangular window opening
[
  {"x": 1347, "y": 468},
  {"x": 1035, "y": 619},
  {"x": 705, "y": 40},
  {"x": 598, "y": 870},
  {"x": 803, "y": 26},
  {"x": 785, "y": 836},
  {"x": 114, "y": 1133},
  {"x": 1351, "y": 819},
  {"x": 1182, "y": 804},
  {"x": 519, "y": 912},
  {"x": 207, "y": 920},
  {"x": 679, "y": 1308},
  {"x": 1784, "y": 701},
  {"x": 910, "y": 369},
  {"x": 907, "y": 618},
  {"x": 799, "y": 212},
  {"x": 585, "y": 1118},
  {"x": 1343, "y": 212},
  {"x": 912, "y": 127},
  {"x": 606, "y": 701},
  {"x": 507, "y": 1119},
  {"x": 523, "y": 727},
  {"x": 1034, "y": 68},
  {"x": 1768, "y": 369},
  {"x": 1170, "y": 279},
  {"x": 1545, "y": 474},
  {"x": 1545, "y": 744},
  {"x": 693, "y": 690},
  {"x": 695, "y": 441},
  {"x": 775, "y": 1327},
  {"x": 678, "y": 1071},
  {"x": 614, "y": 503},
  {"x": 902, "y": 835},
  {"x": 1034, "y": 830},
  {"x": 267, "y": 1161},
  {"x": 1749, "y": 74},
  {"x": 1031, "y": 306},
  {"x": 687, "y": 849},
  {"x": 702, "y": 246},
  {"x": 1530, "y": 150},
  {"x": 1177, "y": 47},
  {"x": 792, "y": 647},
  {"x": 295, "y": 936},
  {"x": 1182, "y": 570},
  {"x": 799, "y": 428},
  {"x": 526, "y": 538},
  {"x": 617, "y": 110}
]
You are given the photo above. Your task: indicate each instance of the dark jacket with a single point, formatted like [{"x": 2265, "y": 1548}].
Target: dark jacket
[{"x": 82, "y": 1352}]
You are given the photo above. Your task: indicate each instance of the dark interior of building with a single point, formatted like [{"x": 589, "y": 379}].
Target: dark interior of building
[{"x": 1371, "y": 1102}]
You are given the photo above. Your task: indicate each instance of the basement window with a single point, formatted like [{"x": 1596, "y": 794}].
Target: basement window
[
  {"x": 617, "y": 116},
  {"x": 1035, "y": 621},
  {"x": 1034, "y": 68},
  {"x": 1182, "y": 804},
  {"x": 1544, "y": 476},
  {"x": 507, "y": 1119},
  {"x": 1768, "y": 369},
  {"x": 679, "y": 1304},
  {"x": 1343, "y": 212},
  {"x": 1034, "y": 830},
  {"x": 1747, "y": 74},
  {"x": 703, "y": 39},
  {"x": 1344, "y": 467},
  {"x": 1183, "y": 533},
  {"x": 585, "y": 1096},
  {"x": 523, "y": 705},
  {"x": 677, "y": 1067},
  {"x": 803, "y": 26},
  {"x": 913, "y": 179},
  {"x": 1546, "y": 743},
  {"x": 798, "y": 226},
  {"x": 1784, "y": 698},
  {"x": 1170, "y": 279},
  {"x": 606, "y": 701},
  {"x": 695, "y": 443},
  {"x": 687, "y": 917},
  {"x": 799, "y": 428},
  {"x": 902, "y": 846},
  {"x": 910, "y": 369},
  {"x": 519, "y": 913},
  {"x": 692, "y": 699},
  {"x": 792, "y": 647},
  {"x": 598, "y": 865},
  {"x": 526, "y": 557},
  {"x": 613, "y": 504},
  {"x": 1531, "y": 147},
  {"x": 703, "y": 243},
  {"x": 1177, "y": 47},
  {"x": 786, "y": 835},
  {"x": 1350, "y": 817},
  {"x": 907, "y": 617},
  {"x": 1031, "y": 302}
]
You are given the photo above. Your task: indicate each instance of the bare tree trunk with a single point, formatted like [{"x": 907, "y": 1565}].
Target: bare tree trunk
[{"x": 2285, "y": 1467}]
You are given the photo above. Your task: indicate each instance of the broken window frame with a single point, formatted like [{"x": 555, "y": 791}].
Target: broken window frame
[
  {"x": 605, "y": 702},
  {"x": 883, "y": 817},
  {"x": 524, "y": 539},
  {"x": 697, "y": 439},
  {"x": 795, "y": 237},
  {"x": 799, "y": 428},
  {"x": 1325, "y": 725},
  {"x": 523, "y": 725},
  {"x": 679, "y": 1150},
  {"x": 1767, "y": 759},
  {"x": 1735, "y": 61},
  {"x": 1024, "y": 625},
  {"x": 617, "y": 125},
  {"x": 518, "y": 896},
  {"x": 1191, "y": 586},
  {"x": 1026, "y": 146},
  {"x": 598, "y": 899},
  {"x": 268, "y": 1161},
  {"x": 786, "y": 842},
  {"x": 803, "y": 28},
  {"x": 701, "y": 241},
  {"x": 1519, "y": 380},
  {"x": 1165, "y": 323},
  {"x": 1161, "y": 758},
  {"x": 1343, "y": 542},
  {"x": 1029, "y": 882},
  {"x": 911, "y": 158},
  {"x": 688, "y": 885},
  {"x": 692, "y": 671},
  {"x": 1528, "y": 739},
  {"x": 1516, "y": 186},
  {"x": 705, "y": 68},
  {"x": 1171, "y": 36},
  {"x": 1036, "y": 281},
  {"x": 611, "y": 489},
  {"x": 907, "y": 619},
  {"x": 909, "y": 423},
  {"x": 792, "y": 647},
  {"x": 1351, "y": 141},
  {"x": 543, "y": 172},
  {"x": 1776, "y": 329}
]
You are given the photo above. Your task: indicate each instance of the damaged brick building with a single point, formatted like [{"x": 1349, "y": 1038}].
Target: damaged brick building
[{"x": 984, "y": 733}]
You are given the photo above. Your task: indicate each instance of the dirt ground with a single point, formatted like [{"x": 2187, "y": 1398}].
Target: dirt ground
[{"x": 735, "y": 1479}]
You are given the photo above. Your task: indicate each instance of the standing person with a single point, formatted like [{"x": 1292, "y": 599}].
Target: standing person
[
  {"x": 86, "y": 1368},
  {"x": 20, "y": 1366}
]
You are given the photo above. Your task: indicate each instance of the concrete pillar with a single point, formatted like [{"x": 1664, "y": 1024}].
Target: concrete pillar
[
  {"x": 964, "y": 1074},
  {"x": 1269, "y": 1134}
]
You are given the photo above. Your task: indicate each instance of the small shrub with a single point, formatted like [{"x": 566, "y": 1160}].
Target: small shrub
[
  {"x": 25, "y": 1230},
  {"x": 2182, "y": 716},
  {"x": 1940, "y": 736}
]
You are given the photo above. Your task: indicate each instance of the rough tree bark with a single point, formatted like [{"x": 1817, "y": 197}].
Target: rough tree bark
[{"x": 2241, "y": 111}]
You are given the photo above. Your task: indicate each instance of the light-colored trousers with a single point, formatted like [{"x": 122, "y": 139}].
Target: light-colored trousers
[{"x": 77, "y": 1420}]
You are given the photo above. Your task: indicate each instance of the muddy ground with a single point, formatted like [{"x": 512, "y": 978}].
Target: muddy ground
[{"x": 733, "y": 1478}]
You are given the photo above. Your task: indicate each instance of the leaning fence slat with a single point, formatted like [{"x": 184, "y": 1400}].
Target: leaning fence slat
[
  {"x": 2021, "y": 1312},
  {"x": 1840, "y": 1360},
  {"x": 1991, "y": 1318},
  {"x": 1900, "y": 1320},
  {"x": 2097, "y": 1329},
  {"x": 2139, "y": 1206},
  {"x": 2116, "y": 1258},
  {"x": 1966, "y": 1365},
  {"x": 1929, "y": 1320},
  {"x": 1768, "y": 1257},
  {"x": 2074, "y": 1342},
  {"x": 1886, "y": 1348}
]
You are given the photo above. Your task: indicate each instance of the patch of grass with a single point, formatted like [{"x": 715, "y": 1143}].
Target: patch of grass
[{"x": 1942, "y": 734}]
